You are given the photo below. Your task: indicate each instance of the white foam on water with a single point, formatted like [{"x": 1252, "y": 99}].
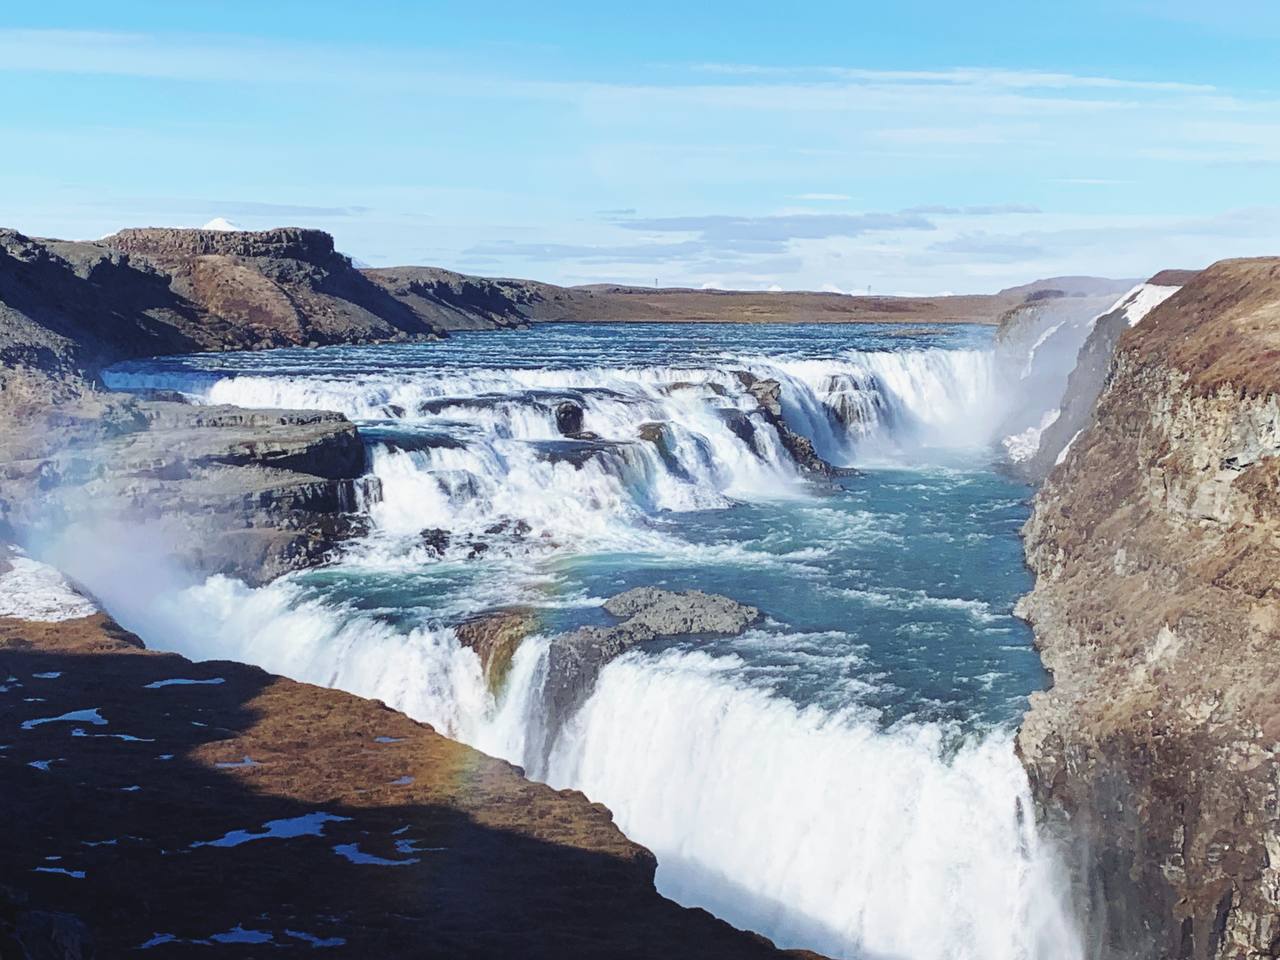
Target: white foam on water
[{"x": 818, "y": 829}]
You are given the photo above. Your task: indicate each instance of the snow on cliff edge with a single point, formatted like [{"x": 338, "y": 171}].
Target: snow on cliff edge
[{"x": 30, "y": 590}]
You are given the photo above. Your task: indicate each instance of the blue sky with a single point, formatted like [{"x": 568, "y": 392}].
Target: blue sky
[{"x": 913, "y": 147}]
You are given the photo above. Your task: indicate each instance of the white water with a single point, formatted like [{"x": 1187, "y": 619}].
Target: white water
[
  {"x": 819, "y": 828},
  {"x": 867, "y": 406}
]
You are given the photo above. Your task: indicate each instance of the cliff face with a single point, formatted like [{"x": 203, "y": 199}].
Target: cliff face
[
  {"x": 282, "y": 287},
  {"x": 455, "y": 301},
  {"x": 1156, "y": 544},
  {"x": 247, "y": 493}
]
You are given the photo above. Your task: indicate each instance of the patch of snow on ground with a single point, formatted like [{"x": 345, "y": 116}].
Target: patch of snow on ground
[
  {"x": 36, "y": 591},
  {"x": 352, "y": 852},
  {"x": 75, "y": 716},
  {"x": 179, "y": 681},
  {"x": 314, "y": 940},
  {"x": 307, "y": 825},
  {"x": 246, "y": 762},
  {"x": 239, "y": 934},
  {"x": 1067, "y": 449},
  {"x": 1145, "y": 298}
]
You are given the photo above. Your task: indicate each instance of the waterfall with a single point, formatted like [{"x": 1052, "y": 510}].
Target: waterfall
[{"x": 820, "y": 825}]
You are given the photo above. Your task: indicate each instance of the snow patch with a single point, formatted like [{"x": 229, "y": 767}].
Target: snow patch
[
  {"x": 1067, "y": 449},
  {"x": 75, "y": 716},
  {"x": 352, "y": 852},
  {"x": 307, "y": 825},
  {"x": 222, "y": 224},
  {"x": 1023, "y": 446},
  {"x": 179, "y": 681},
  {"x": 31, "y": 590},
  {"x": 1144, "y": 298}
]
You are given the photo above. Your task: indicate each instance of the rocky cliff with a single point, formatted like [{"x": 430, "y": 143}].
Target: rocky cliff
[
  {"x": 247, "y": 493},
  {"x": 1156, "y": 543},
  {"x": 68, "y": 308}
]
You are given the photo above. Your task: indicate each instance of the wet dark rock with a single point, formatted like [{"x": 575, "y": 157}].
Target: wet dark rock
[
  {"x": 438, "y": 405},
  {"x": 517, "y": 528},
  {"x": 495, "y": 636},
  {"x": 768, "y": 395},
  {"x": 739, "y": 422},
  {"x": 767, "y": 392},
  {"x": 569, "y": 417},
  {"x": 400, "y": 439},
  {"x": 435, "y": 540},
  {"x": 713, "y": 388},
  {"x": 573, "y": 451}
]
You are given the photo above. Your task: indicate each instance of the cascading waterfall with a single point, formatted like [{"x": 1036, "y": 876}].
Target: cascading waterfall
[{"x": 824, "y": 784}]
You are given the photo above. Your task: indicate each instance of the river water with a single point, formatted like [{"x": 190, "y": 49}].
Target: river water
[{"x": 840, "y": 777}]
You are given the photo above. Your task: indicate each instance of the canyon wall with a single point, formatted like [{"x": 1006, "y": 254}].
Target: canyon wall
[{"x": 1156, "y": 546}]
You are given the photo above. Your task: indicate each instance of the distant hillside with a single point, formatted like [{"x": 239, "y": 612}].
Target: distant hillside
[{"x": 67, "y": 308}]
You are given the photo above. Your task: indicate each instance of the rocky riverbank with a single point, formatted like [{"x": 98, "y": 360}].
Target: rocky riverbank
[{"x": 1154, "y": 542}]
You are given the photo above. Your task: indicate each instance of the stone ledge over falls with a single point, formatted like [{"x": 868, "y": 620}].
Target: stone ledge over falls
[
  {"x": 1156, "y": 548},
  {"x": 196, "y": 490}
]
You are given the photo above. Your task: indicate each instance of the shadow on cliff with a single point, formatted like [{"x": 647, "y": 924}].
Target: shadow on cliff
[{"x": 138, "y": 815}]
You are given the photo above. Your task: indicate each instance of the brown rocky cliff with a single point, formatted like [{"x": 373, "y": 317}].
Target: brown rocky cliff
[
  {"x": 287, "y": 286},
  {"x": 1156, "y": 545}
]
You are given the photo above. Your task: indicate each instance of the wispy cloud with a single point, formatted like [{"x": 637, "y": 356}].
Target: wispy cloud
[
  {"x": 231, "y": 208},
  {"x": 822, "y": 197}
]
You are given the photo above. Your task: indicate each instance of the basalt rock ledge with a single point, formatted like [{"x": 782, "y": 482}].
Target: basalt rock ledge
[{"x": 1156, "y": 546}]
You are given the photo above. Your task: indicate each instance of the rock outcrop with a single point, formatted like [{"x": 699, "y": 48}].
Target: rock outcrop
[
  {"x": 1156, "y": 543},
  {"x": 248, "y": 493},
  {"x": 667, "y": 613},
  {"x": 280, "y": 287},
  {"x": 184, "y": 808},
  {"x": 575, "y": 659}
]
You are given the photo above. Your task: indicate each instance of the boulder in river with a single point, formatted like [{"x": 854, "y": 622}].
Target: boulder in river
[
  {"x": 569, "y": 416},
  {"x": 668, "y": 613},
  {"x": 495, "y": 637},
  {"x": 575, "y": 659}
]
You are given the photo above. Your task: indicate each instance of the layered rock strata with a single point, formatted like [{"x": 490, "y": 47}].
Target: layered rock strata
[
  {"x": 1156, "y": 543},
  {"x": 248, "y": 493}
]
